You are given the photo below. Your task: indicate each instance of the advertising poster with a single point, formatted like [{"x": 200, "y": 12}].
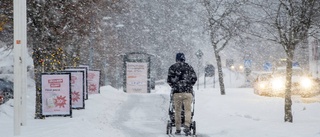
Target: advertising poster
[
  {"x": 94, "y": 81},
  {"x": 77, "y": 89},
  {"x": 85, "y": 69},
  {"x": 137, "y": 77},
  {"x": 56, "y": 94}
]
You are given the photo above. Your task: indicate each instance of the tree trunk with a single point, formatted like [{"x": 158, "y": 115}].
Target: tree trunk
[
  {"x": 45, "y": 60},
  {"x": 288, "y": 102},
  {"x": 38, "y": 68},
  {"x": 38, "y": 113},
  {"x": 220, "y": 73}
]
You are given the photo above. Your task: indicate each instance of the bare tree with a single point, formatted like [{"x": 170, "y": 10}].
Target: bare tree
[
  {"x": 225, "y": 23},
  {"x": 288, "y": 23}
]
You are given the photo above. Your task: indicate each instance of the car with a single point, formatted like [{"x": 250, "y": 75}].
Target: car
[
  {"x": 6, "y": 90},
  {"x": 302, "y": 84},
  {"x": 237, "y": 68},
  {"x": 261, "y": 84}
]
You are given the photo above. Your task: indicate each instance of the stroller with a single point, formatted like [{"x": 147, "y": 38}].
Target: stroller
[{"x": 171, "y": 122}]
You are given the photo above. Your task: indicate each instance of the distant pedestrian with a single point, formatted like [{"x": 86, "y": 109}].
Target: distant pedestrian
[{"x": 181, "y": 78}]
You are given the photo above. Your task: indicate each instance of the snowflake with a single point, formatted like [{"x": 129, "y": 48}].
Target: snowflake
[
  {"x": 92, "y": 87},
  {"x": 60, "y": 101},
  {"x": 75, "y": 96}
]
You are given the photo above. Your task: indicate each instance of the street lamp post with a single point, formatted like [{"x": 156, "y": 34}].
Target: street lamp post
[
  {"x": 106, "y": 65},
  {"x": 20, "y": 69},
  {"x": 199, "y": 54}
]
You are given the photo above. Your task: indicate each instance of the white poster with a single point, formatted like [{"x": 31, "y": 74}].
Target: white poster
[
  {"x": 69, "y": 68},
  {"x": 77, "y": 89},
  {"x": 137, "y": 77},
  {"x": 56, "y": 94},
  {"x": 94, "y": 81}
]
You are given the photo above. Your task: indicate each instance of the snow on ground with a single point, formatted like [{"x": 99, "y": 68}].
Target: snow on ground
[{"x": 113, "y": 113}]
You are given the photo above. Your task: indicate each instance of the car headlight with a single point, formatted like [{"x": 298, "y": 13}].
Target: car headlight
[
  {"x": 278, "y": 84},
  {"x": 306, "y": 82},
  {"x": 241, "y": 67},
  {"x": 262, "y": 85}
]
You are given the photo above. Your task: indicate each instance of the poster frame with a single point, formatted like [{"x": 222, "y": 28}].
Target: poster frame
[
  {"x": 136, "y": 57},
  {"x": 41, "y": 93},
  {"x": 83, "y": 87},
  {"x": 99, "y": 78},
  {"x": 131, "y": 89},
  {"x": 86, "y": 77}
]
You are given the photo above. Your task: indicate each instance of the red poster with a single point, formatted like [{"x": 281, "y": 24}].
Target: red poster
[{"x": 56, "y": 94}]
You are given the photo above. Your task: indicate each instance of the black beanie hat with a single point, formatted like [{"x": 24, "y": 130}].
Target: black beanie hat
[{"x": 180, "y": 57}]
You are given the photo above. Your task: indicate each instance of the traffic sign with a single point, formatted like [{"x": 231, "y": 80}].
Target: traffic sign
[
  {"x": 267, "y": 66},
  {"x": 209, "y": 70},
  {"x": 295, "y": 64},
  {"x": 247, "y": 63}
]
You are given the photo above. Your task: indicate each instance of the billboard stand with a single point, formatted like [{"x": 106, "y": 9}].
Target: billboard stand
[
  {"x": 85, "y": 69},
  {"x": 77, "y": 88},
  {"x": 56, "y": 94},
  {"x": 136, "y": 72},
  {"x": 94, "y": 81}
]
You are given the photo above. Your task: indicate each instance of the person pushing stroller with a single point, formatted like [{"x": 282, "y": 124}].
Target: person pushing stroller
[{"x": 181, "y": 78}]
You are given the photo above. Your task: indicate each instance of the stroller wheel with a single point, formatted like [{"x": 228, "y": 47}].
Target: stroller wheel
[
  {"x": 169, "y": 127},
  {"x": 194, "y": 127}
]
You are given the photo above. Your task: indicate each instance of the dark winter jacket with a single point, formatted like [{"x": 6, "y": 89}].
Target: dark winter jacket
[{"x": 181, "y": 77}]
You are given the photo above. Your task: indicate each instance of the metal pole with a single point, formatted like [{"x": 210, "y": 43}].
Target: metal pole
[
  {"x": 199, "y": 55},
  {"x": 230, "y": 76},
  {"x": 204, "y": 81},
  {"x": 105, "y": 71},
  {"x": 20, "y": 42},
  {"x": 91, "y": 44},
  {"x": 90, "y": 55},
  {"x": 214, "y": 81},
  {"x": 24, "y": 66},
  {"x": 198, "y": 73}
]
